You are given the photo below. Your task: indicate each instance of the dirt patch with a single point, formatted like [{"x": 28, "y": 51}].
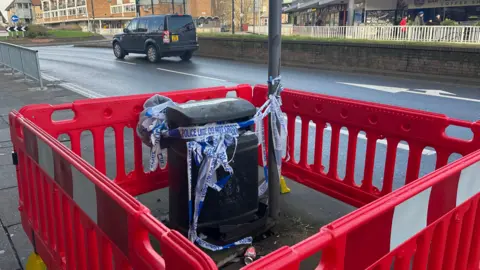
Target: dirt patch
[{"x": 42, "y": 40}]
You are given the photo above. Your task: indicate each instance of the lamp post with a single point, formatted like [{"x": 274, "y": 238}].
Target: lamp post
[
  {"x": 241, "y": 15},
  {"x": 233, "y": 17},
  {"x": 274, "y": 52}
]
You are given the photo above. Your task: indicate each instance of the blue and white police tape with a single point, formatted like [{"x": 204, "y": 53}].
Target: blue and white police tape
[
  {"x": 155, "y": 123},
  {"x": 214, "y": 156},
  {"x": 208, "y": 145}
]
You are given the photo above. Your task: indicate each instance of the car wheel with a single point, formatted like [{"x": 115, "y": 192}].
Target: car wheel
[
  {"x": 186, "y": 56},
  {"x": 152, "y": 53},
  {"x": 118, "y": 51}
]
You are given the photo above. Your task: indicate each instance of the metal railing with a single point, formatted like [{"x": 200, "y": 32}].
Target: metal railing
[
  {"x": 21, "y": 59},
  {"x": 448, "y": 34},
  {"x": 208, "y": 29}
]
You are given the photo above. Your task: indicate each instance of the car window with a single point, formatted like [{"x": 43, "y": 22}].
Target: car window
[
  {"x": 142, "y": 26},
  {"x": 156, "y": 24},
  {"x": 178, "y": 24},
  {"x": 133, "y": 25}
]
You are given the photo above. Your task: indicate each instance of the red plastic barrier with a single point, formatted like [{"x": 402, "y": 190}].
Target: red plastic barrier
[
  {"x": 96, "y": 115},
  {"x": 111, "y": 229},
  {"x": 434, "y": 221},
  {"x": 418, "y": 128}
]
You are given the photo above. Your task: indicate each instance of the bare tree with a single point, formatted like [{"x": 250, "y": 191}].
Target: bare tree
[{"x": 223, "y": 10}]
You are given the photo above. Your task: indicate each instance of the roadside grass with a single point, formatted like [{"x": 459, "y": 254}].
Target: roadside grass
[
  {"x": 339, "y": 40},
  {"x": 69, "y": 34}
]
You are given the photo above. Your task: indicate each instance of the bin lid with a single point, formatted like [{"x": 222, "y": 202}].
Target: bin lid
[{"x": 209, "y": 111}]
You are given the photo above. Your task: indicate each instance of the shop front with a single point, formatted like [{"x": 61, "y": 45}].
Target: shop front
[
  {"x": 463, "y": 11},
  {"x": 319, "y": 13}
]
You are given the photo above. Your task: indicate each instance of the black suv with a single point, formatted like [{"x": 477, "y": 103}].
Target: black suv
[{"x": 158, "y": 36}]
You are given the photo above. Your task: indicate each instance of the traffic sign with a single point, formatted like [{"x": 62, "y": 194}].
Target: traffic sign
[
  {"x": 15, "y": 18},
  {"x": 17, "y": 29}
]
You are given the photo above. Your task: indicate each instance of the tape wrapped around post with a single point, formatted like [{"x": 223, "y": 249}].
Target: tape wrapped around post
[{"x": 207, "y": 146}]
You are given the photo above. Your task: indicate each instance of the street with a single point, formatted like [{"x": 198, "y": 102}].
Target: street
[{"x": 96, "y": 73}]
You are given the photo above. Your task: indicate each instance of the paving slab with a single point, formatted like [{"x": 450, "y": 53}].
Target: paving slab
[
  {"x": 8, "y": 176},
  {"x": 8, "y": 259},
  {"x": 9, "y": 206},
  {"x": 6, "y": 156},
  {"x": 20, "y": 241}
]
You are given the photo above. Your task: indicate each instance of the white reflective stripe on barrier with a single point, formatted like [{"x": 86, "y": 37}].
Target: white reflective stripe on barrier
[
  {"x": 409, "y": 218},
  {"x": 84, "y": 194},
  {"x": 469, "y": 183},
  {"x": 45, "y": 158}
]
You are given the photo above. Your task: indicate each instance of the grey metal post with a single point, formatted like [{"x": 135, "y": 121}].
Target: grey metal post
[
  {"x": 2, "y": 61},
  {"x": 274, "y": 52},
  {"x": 39, "y": 72},
  {"x": 241, "y": 15},
  {"x": 173, "y": 7},
  {"x": 153, "y": 11},
  {"x": 233, "y": 17},
  {"x": 21, "y": 62},
  {"x": 254, "y": 16},
  {"x": 10, "y": 61}
]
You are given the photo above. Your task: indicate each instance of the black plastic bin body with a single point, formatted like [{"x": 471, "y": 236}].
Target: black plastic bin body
[{"x": 238, "y": 201}]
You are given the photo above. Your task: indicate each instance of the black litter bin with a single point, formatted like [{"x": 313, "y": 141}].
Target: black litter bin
[{"x": 238, "y": 201}]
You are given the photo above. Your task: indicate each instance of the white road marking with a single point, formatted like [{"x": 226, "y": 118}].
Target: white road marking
[
  {"x": 433, "y": 92},
  {"x": 378, "y": 87},
  {"x": 424, "y": 92},
  {"x": 193, "y": 75},
  {"x": 402, "y": 146},
  {"x": 82, "y": 91},
  {"x": 442, "y": 96},
  {"x": 96, "y": 58}
]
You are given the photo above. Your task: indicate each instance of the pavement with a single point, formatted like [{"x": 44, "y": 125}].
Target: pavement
[
  {"x": 15, "y": 92},
  {"x": 71, "y": 73}
]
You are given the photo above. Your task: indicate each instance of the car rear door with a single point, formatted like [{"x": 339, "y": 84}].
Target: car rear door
[
  {"x": 140, "y": 35},
  {"x": 182, "y": 30},
  {"x": 156, "y": 27}
]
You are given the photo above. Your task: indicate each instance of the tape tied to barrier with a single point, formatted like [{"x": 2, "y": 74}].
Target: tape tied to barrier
[
  {"x": 207, "y": 146},
  {"x": 154, "y": 124}
]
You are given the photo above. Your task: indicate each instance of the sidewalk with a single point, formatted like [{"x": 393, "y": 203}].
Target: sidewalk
[{"x": 15, "y": 92}]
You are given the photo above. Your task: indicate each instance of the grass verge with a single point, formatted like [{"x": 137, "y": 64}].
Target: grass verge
[{"x": 68, "y": 34}]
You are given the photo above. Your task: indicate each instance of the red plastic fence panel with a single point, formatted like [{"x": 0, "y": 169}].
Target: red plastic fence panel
[
  {"x": 78, "y": 219},
  {"x": 418, "y": 128},
  {"x": 118, "y": 113},
  {"x": 432, "y": 222}
]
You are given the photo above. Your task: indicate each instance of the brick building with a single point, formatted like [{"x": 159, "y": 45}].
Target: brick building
[{"x": 108, "y": 16}]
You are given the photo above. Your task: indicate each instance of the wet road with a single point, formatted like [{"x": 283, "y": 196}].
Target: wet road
[{"x": 95, "y": 72}]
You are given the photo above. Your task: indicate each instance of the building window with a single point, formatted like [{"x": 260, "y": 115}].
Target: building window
[
  {"x": 82, "y": 11},
  {"x": 63, "y": 13},
  {"x": 72, "y": 12},
  {"x": 130, "y": 8},
  {"x": 26, "y": 6},
  {"x": 116, "y": 9}
]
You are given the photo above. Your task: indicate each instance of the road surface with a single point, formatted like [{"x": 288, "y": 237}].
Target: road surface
[{"x": 96, "y": 73}]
